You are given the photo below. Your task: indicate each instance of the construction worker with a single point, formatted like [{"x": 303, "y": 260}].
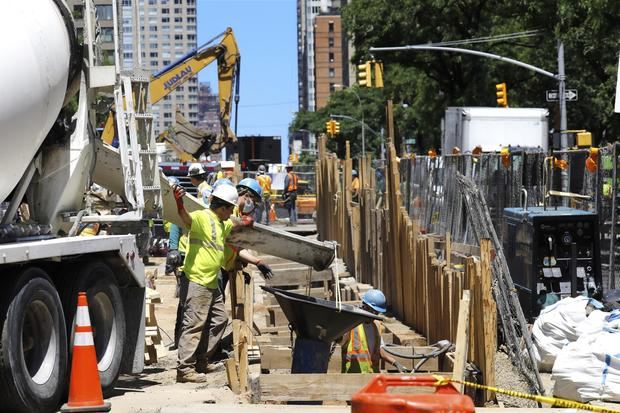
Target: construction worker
[
  {"x": 204, "y": 314},
  {"x": 355, "y": 186},
  {"x": 197, "y": 173},
  {"x": 363, "y": 347},
  {"x": 249, "y": 195},
  {"x": 265, "y": 183},
  {"x": 290, "y": 194}
]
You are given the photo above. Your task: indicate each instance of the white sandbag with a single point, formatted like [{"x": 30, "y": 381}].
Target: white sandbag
[
  {"x": 555, "y": 327},
  {"x": 589, "y": 368}
]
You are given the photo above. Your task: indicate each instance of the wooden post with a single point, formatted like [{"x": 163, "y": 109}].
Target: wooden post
[
  {"x": 489, "y": 315},
  {"x": 460, "y": 356}
]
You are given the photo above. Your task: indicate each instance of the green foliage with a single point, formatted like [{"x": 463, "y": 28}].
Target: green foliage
[{"x": 427, "y": 82}]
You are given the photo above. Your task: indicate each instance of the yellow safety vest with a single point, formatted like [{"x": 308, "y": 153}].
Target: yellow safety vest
[
  {"x": 356, "y": 356},
  {"x": 205, "y": 253}
]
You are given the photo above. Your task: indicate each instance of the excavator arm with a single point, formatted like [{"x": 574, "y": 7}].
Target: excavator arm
[{"x": 164, "y": 82}]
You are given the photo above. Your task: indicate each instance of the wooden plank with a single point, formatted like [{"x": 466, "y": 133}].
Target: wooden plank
[
  {"x": 243, "y": 357},
  {"x": 279, "y": 357},
  {"x": 297, "y": 277},
  {"x": 461, "y": 340},
  {"x": 490, "y": 316},
  {"x": 231, "y": 374},
  {"x": 318, "y": 387}
]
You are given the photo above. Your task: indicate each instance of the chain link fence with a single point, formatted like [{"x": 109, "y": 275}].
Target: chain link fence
[{"x": 431, "y": 195}]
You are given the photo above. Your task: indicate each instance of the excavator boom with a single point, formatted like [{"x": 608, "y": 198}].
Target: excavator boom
[{"x": 223, "y": 49}]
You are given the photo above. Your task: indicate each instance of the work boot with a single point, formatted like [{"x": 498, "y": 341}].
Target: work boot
[
  {"x": 205, "y": 368},
  {"x": 191, "y": 377}
]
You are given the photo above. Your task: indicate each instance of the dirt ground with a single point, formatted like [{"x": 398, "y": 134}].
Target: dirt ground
[{"x": 156, "y": 389}]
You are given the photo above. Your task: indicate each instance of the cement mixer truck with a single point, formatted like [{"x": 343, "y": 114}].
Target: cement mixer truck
[{"x": 50, "y": 157}]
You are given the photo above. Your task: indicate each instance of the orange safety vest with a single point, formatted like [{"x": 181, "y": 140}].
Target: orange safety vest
[
  {"x": 292, "y": 182},
  {"x": 356, "y": 355}
]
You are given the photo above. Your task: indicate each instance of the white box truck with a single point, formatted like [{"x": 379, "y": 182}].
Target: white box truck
[{"x": 494, "y": 128}]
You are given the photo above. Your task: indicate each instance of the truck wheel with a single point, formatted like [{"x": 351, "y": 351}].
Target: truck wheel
[
  {"x": 33, "y": 350},
  {"x": 107, "y": 317}
]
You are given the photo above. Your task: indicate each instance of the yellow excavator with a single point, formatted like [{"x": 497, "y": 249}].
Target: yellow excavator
[{"x": 188, "y": 141}]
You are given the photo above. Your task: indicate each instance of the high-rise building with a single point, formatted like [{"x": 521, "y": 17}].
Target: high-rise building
[
  {"x": 168, "y": 31},
  {"x": 315, "y": 19},
  {"x": 208, "y": 108}
]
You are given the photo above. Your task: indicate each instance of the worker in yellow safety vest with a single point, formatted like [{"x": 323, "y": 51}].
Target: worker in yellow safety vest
[
  {"x": 264, "y": 181},
  {"x": 363, "y": 347},
  {"x": 290, "y": 194},
  {"x": 204, "y": 314},
  {"x": 197, "y": 174}
]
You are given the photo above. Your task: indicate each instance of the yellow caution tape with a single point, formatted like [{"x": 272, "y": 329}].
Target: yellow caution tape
[{"x": 554, "y": 401}]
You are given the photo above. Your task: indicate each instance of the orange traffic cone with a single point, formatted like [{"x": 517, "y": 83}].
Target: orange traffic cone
[
  {"x": 272, "y": 214},
  {"x": 84, "y": 389}
]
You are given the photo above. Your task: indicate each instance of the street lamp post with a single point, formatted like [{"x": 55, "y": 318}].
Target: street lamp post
[{"x": 361, "y": 112}]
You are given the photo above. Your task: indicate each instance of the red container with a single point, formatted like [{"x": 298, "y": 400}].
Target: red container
[{"x": 374, "y": 398}]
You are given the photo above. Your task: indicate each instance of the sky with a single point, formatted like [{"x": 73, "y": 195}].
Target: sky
[{"x": 266, "y": 33}]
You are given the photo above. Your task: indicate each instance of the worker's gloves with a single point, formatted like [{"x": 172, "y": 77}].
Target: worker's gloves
[
  {"x": 400, "y": 367},
  {"x": 179, "y": 192},
  {"x": 174, "y": 258},
  {"x": 247, "y": 221},
  {"x": 247, "y": 277},
  {"x": 265, "y": 270}
]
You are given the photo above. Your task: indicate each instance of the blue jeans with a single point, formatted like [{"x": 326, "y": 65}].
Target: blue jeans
[{"x": 264, "y": 206}]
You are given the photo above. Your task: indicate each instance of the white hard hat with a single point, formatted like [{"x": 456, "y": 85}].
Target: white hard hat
[
  {"x": 196, "y": 169},
  {"x": 226, "y": 193},
  {"x": 227, "y": 164}
]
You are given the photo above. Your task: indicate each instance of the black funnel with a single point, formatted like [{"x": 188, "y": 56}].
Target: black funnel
[{"x": 317, "y": 319}]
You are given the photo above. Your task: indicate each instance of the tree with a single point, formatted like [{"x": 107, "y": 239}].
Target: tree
[{"x": 430, "y": 81}]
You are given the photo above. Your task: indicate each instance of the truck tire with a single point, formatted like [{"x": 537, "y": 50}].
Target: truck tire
[
  {"x": 107, "y": 317},
  {"x": 33, "y": 347}
]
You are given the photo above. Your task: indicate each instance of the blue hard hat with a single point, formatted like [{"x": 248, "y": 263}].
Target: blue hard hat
[
  {"x": 375, "y": 299},
  {"x": 353, "y": 172},
  {"x": 222, "y": 181},
  {"x": 251, "y": 184}
]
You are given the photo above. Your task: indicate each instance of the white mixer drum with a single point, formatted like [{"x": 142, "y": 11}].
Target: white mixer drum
[{"x": 33, "y": 80}]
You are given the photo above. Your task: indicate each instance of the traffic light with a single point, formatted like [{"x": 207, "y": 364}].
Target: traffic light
[
  {"x": 378, "y": 66},
  {"x": 336, "y": 127},
  {"x": 364, "y": 74},
  {"x": 329, "y": 128},
  {"x": 502, "y": 94}
]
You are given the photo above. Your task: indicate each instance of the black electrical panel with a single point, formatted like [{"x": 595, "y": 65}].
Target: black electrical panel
[{"x": 551, "y": 253}]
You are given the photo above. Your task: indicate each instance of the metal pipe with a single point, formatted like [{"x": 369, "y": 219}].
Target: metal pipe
[{"x": 524, "y": 199}]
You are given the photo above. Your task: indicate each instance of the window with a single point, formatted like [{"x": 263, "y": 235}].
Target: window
[
  {"x": 154, "y": 63},
  {"x": 153, "y": 38},
  {"x": 178, "y": 10},
  {"x": 152, "y": 28},
  {"x": 152, "y": 2},
  {"x": 126, "y": 30},
  {"x": 331, "y": 57},
  {"x": 178, "y": 37},
  {"x": 180, "y": 88},
  {"x": 332, "y": 87},
  {"x": 191, "y": 37},
  {"x": 191, "y": 20},
  {"x": 178, "y": 1},
  {"x": 178, "y": 28},
  {"x": 167, "y": 115},
  {"x": 107, "y": 34},
  {"x": 153, "y": 54},
  {"x": 167, "y": 106},
  {"x": 332, "y": 72},
  {"x": 330, "y": 41},
  {"x": 165, "y": 19},
  {"x": 181, "y": 105},
  {"x": 153, "y": 20},
  {"x": 166, "y": 46},
  {"x": 152, "y": 11},
  {"x": 127, "y": 55},
  {"x": 178, "y": 19},
  {"x": 165, "y": 28},
  {"x": 126, "y": 2},
  {"x": 178, "y": 55},
  {"x": 191, "y": 27},
  {"x": 165, "y": 55},
  {"x": 191, "y": 11},
  {"x": 165, "y": 11},
  {"x": 331, "y": 27},
  {"x": 191, "y": 2},
  {"x": 166, "y": 62},
  {"x": 192, "y": 89},
  {"x": 167, "y": 123},
  {"x": 193, "y": 106},
  {"x": 104, "y": 12},
  {"x": 165, "y": 37}
]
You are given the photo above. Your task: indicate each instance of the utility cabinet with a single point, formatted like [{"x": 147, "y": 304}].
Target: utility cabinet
[{"x": 552, "y": 253}]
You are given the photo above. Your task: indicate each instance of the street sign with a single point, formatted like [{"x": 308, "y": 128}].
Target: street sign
[{"x": 569, "y": 94}]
